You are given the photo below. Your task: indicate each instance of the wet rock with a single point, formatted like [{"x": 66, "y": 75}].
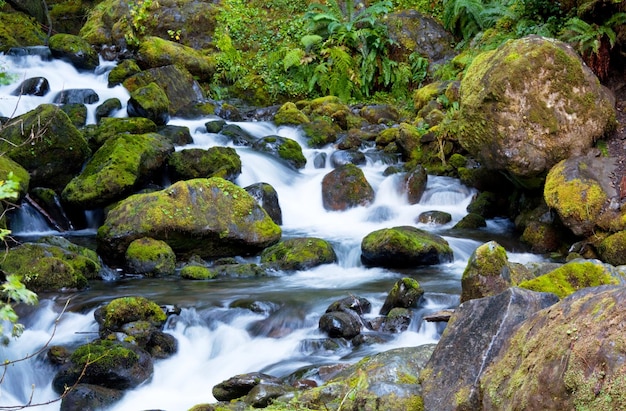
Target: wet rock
[
  {"x": 380, "y": 114},
  {"x": 177, "y": 135},
  {"x": 472, "y": 339},
  {"x": 216, "y": 161},
  {"x": 109, "y": 127},
  {"x": 434, "y": 217},
  {"x": 240, "y": 385},
  {"x": 341, "y": 324},
  {"x": 150, "y": 257},
  {"x": 76, "y": 96},
  {"x": 125, "y": 69},
  {"x": 487, "y": 272},
  {"x": 107, "y": 108},
  {"x": 161, "y": 345},
  {"x": 320, "y": 132},
  {"x": 74, "y": 49},
  {"x": 282, "y": 148},
  {"x": 346, "y": 187},
  {"x": 262, "y": 394},
  {"x": 471, "y": 221},
  {"x": 120, "y": 311},
  {"x": 299, "y": 254},
  {"x": 280, "y": 323},
  {"x": 34, "y": 86},
  {"x": 342, "y": 157},
  {"x": 359, "y": 305},
  {"x": 404, "y": 246},
  {"x": 267, "y": 197},
  {"x": 288, "y": 113},
  {"x": 406, "y": 293},
  {"x": 89, "y": 397},
  {"x": 150, "y": 102},
  {"x": 415, "y": 184},
  {"x": 238, "y": 135}
]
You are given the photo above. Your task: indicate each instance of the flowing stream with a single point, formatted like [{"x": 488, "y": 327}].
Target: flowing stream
[{"x": 216, "y": 339}]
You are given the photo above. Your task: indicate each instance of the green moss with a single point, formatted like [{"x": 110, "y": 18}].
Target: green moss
[
  {"x": 299, "y": 254},
  {"x": 613, "y": 249},
  {"x": 571, "y": 277},
  {"x": 288, "y": 113},
  {"x": 102, "y": 356},
  {"x": 19, "y": 30},
  {"x": 8, "y": 166},
  {"x": 150, "y": 257},
  {"x": 197, "y": 272},
  {"x": 158, "y": 52},
  {"x": 320, "y": 132},
  {"x": 128, "y": 309}
]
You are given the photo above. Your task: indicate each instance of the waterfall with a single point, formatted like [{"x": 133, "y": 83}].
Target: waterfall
[{"x": 216, "y": 339}]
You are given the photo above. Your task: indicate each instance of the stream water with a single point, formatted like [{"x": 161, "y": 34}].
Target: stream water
[{"x": 217, "y": 340}]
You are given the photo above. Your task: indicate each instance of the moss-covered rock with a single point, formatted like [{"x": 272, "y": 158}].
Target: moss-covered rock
[
  {"x": 47, "y": 268},
  {"x": 320, "y": 132},
  {"x": 151, "y": 102},
  {"x": 150, "y": 257},
  {"x": 10, "y": 167},
  {"x": 124, "y": 310},
  {"x": 283, "y": 148},
  {"x": 406, "y": 293},
  {"x": 288, "y": 113},
  {"x": 157, "y": 52},
  {"x": 106, "y": 363},
  {"x": 74, "y": 49},
  {"x": 487, "y": 272},
  {"x": 404, "y": 246},
  {"x": 197, "y": 272},
  {"x": 573, "y": 276},
  {"x": 216, "y": 161},
  {"x": 613, "y": 249},
  {"x": 109, "y": 127},
  {"x": 207, "y": 217},
  {"x": 116, "y": 169},
  {"x": 19, "y": 30},
  {"x": 346, "y": 187},
  {"x": 380, "y": 114},
  {"x": 59, "y": 150},
  {"x": 568, "y": 356},
  {"x": 434, "y": 217},
  {"x": 299, "y": 254},
  {"x": 470, "y": 222},
  {"x": 122, "y": 71},
  {"x": 580, "y": 190},
  {"x": 530, "y": 104},
  {"x": 109, "y": 107}
]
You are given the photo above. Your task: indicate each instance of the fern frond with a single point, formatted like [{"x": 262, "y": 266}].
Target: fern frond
[{"x": 293, "y": 58}]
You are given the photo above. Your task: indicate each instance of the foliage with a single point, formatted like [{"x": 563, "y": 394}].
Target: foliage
[
  {"x": 467, "y": 18},
  {"x": 12, "y": 290},
  {"x": 433, "y": 8},
  {"x": 139, "y": 12}
]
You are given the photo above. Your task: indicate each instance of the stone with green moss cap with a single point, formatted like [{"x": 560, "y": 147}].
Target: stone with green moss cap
[
  {"x": 149, "y": 101},
  {"x": 207, "y": 217},
  {"x": 17, "y": 173},
  {"x": 116, "y": 169},
  {"x": 216, "y": 161},
  {"x": 97, "y": 134},
  {"x": 150, "y": 257},
  {"x": 529, "y": 104},
  {"x": 346, "y": 187},
  {"x": 299, "y": 254},
  {"x": 75, "y": 49},
  {"x": 404, "y": 246},
  {"x": 487, "y": 272},
  {"x": 613, "y": 249},
  {"x": 283, "y": 148},
  {"x": 575, "y": 275},
  {"x": 124, "y": 310},
  {"x": 288, "y": 113}
]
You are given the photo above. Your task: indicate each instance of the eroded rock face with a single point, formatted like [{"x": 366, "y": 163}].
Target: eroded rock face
[
  {"x": 529, "y": 104},
  {"x": 472, "y": 339},
  {"x": 569, "y": 356}
]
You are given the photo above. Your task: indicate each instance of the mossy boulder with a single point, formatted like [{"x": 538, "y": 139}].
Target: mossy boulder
[
  {"x": 150, "y": 257},
  {"x": 333, "y": 109},
  {"x": 177, "y": 135},
  {"x": 180, "y": 88},
  {"x": 10, "y": 167},
  {"x": 385, "y": 381},
  {"x": 116, "y": 169},
  {"x": 568, "y": 356},
  {"x": 474, "y": 336},
  {"x": 282, "y": 148},
  {"x": 346, "y": 187},
  {"x": 320, "y": 132},
  {"x": 207, "y": 217},
  {"x": 575, "y": 275},
  {"x": 60, "y": 149},
  {"x": 289, "y": 114},
  {"x": 404, "y": 246},
  {"x": 406, "y": 293},
  {"x": 470, "y": 221},
  {"x": 151, "y": 102},
  {"x": 580, "y": 190},
  {"x": 434, "y": 217},
  {"x": 487, "y": 272},
  {"x": 530, "y": 104},
  {"x": 197, "y": 272},
  {"x": 299, "y": 254},
  {"x": 74, "y": 49},
  {"x": 157, "y": 52},
  {"x": 49, "y": 268},
  {"x": 108, "y": 108},
  {"x": 120, "y": 311},
  {"x": 109, "y": 127},
  {"x": 19, "y": 30},
  {"x": 122, "y": 71},
  {"x": 215, "y": 161},
  {"x": 612, "y": 249},
  {"x": 408, "y": 139},
  {"x": 380, "y": 114},
  {"x": 109, "y": 364}
]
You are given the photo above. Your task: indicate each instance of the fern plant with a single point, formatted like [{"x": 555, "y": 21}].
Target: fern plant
[
  {"x": 467, "y": 18},
  {"x": 593, "y": 41}
]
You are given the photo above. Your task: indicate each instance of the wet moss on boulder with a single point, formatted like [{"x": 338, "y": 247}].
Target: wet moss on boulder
[
  {"x": 157, "y": 52},
  {"x": 613, "y": 249},
  {"x": 150, "y": 257},
  {"x": 151, "y": 102},
  {"x": 299, "y": 254},
  {"x": 74, "y": 49},
  {"x": 109, "y": 127},
  {"x": 289, "y": 114},
  {"x": 216, "y": 161},
  {"x": 19, "y": 30},
  {"x": 283, "y": 148},
  {"x": 124, "y": 310},
  {"x": 122, "y": 71},
  {"x": 487, "y": 272},
  {"x": 206, "y": 217},
  {"x": 404, "y": 246}
]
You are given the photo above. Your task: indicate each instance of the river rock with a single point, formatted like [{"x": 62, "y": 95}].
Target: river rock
[
  {"x": 434, "y": 217},
  {"x": 150, "y": 257},
  {"x": 113, "y": 316},
  {"x": 320, "y": 132},
  {"x": 109, "y": 127},
  {"x": 487, "y": 272},
  {"x": 575, "y": 275},
  {"x": 240, "y": 385},
  {"x": 109, "y": 107},
  {"x": 289, "y": 114},
  {"x": 123, "y": 70},
  {"x": 342, "y": 157},
  {"x": 34, "y": 86},
  {"x": 177, "y": 135},
  {"x": 341, "y": 324},
  {"x": 406, "y": 293},
  {"x": 89, "y": 397},
  {"x": 155, "y": 52},
  {"x": 76, "y": 96},
  {"x": 568, "y": 356},
  {"x": 49, "y": 267},
  {"x": 116, "y": 169},
  {"x": 404, "y": 246},
  {"x": 613, "y": 249},
  {"x": 474, "y": 336},
  {"x": 282, "y": 148},
  {"x": 215, "y": 161},
  {"x": 346, "y": 187},
  {"x": 415, "y": 184},
  {"x": 385, "y": 381},
  {"x": 581, "y": 191},
  {"x": 151, "y": 102},
  {"x": 206, "y": 217},
  {"x": 110, "y": 364},
  {"x": 301, "y": 253},
  {"x": 237, "y": 135},
  {"x": 46, "y": 143},
  {"x": 267, "y": 197},
  {"x": 74, "y": 49},
  {"x": 530, "y": 104}
]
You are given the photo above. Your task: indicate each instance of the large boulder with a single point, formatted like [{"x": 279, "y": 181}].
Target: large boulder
[
  {"x": 119, "y": 166},
  {"x": 109, "y": 127},
  {"x": 580, "y": 190},
  {"x": 46, "y": 143},
  {"x": 530, "y": 104},
  {"x": 568, "y": 356},
  {"x": 406, "y": 293},
  {"x": 19, "y": 30},
  {"x": 207, "y": 217},
  {"x": 51, "y": 266},
  {"x": 346, "y": 187},
  {"x": 404, "y": 246},
  {"x": 300, "y": 253},
  {"x": 75, "y": 50},
  {"x": 89, "y": 397},
  {"x": 156, "y": 52},
  {"x": 474, "y": 336}
]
